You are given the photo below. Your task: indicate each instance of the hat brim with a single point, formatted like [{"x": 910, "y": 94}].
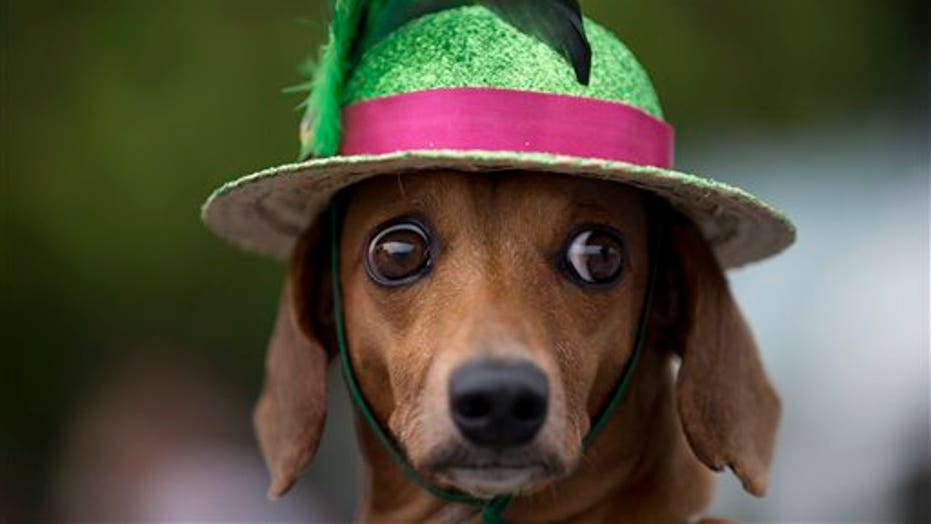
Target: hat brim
[{"x": 266, "y": 212}]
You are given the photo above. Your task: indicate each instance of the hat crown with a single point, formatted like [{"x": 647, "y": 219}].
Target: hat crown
[{"x": 472, "y": 47}]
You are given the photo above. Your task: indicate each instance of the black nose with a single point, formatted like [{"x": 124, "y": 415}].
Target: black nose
[{"x": 498, "y": 403}]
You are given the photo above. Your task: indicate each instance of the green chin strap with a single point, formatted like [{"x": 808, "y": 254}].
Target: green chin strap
[{"x": 492, "y": 509}]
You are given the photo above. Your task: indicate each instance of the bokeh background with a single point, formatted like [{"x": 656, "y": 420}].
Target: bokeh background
[{"x": 133, "y": 340}]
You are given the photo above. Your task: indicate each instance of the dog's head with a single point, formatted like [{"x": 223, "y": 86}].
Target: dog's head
[{"x": 488, "y": 319}]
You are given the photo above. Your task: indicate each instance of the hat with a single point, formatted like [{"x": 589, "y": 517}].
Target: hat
[{"x": 479, "y": 88}]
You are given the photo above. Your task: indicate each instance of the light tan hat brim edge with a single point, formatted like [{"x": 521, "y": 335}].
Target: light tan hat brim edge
[{"x": 266, "y": 212}]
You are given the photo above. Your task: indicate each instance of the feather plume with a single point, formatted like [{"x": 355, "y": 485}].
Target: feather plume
[
  {"x": 320, "y": 126},
  {"x": 557, "y": 23}
]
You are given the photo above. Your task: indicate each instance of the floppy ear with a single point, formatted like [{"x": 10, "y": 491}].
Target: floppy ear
[
  {"x": 291, "y": 410},
  {"x": 728, "y": 408}
]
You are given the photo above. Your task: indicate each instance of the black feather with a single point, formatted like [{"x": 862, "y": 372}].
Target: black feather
[
  {"x": 395, "y": 13},
  {"x": 557, "y": 23}
]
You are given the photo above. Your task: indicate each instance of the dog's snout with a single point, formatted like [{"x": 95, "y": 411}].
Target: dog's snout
[{"x": 496, "y": 403}]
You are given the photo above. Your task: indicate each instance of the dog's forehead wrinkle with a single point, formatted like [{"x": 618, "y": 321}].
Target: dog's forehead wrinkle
[{"x": 401, "y": 184}]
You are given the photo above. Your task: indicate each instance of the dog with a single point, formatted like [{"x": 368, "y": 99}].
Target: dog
[{"x": 489, "y": 317}]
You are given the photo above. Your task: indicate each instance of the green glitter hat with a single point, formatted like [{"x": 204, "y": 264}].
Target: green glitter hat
[{"x": 480, "y": 88}]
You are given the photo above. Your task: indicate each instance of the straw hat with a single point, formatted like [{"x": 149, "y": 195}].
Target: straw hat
[{"x": 476, "y": 88}]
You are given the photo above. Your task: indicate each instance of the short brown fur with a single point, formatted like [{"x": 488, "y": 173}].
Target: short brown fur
[{"x": 496, "y": 290}]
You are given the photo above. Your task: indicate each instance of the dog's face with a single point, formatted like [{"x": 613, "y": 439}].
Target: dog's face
[
  {"x": 489, "y": 317},
  {"x": 476, "y": 313}
]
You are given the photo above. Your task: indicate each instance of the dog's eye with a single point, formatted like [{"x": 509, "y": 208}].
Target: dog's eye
[
  {"x": 595, "y": 256},
  {"x": 398, "y": 254}
]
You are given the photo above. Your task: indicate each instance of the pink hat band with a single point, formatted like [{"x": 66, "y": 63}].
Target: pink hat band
[{"x": 490, "y": 119}]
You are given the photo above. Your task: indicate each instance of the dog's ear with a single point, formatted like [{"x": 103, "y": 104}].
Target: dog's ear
[
  {"x": 291, "y": 410},
  {"x": 728, "y": 408}
]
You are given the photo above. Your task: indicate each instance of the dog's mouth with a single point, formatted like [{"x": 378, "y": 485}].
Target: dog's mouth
[
  {"x": 487, "y": 474},
  {"x": 493, "y": 480}
]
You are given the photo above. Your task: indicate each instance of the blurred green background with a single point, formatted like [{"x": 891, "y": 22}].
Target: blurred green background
[{"x": 119, "y": 117}]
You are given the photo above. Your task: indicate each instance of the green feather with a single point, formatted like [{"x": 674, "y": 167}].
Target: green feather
[{"x": 320, "y": 126}]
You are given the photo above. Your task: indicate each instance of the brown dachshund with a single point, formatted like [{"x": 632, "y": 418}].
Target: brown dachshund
[{"x": 489, "y": 317}]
